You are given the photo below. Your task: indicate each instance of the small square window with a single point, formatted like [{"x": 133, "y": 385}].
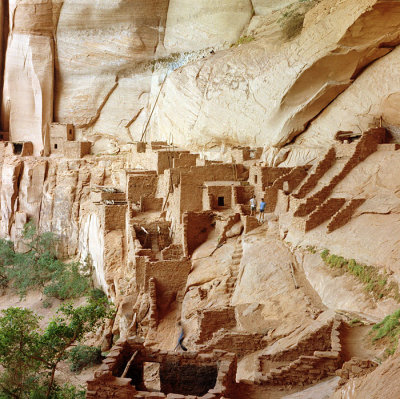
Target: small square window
[{"x": 55, "y": 146}]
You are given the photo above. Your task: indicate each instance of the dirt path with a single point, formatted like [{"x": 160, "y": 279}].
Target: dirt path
[{"x": 356, "y": 343}]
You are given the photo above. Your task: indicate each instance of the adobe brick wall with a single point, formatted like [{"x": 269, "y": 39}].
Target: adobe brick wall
[
  {"x": 76, "y": 149},
  {"x": 141, "y": 185},
  {"x": 192, "y": 181},
  {"x": 282, "y": 203},
  {"x": 58, "y": 134},
  {"x": 170, "y": 278},
  {"x": 355, "y": 368},
  {"x": 242, "y": 194},
  {"x": 196, "y": 227},
  {"x": 294, "y": 178},
  {"x": 185, "y": 160},
  {"x": 324, "y": 212},
  {"x": 101, "y": 196},
  {"x": 249, "y": 223},
  {"x": 240, "y": 343},
  {"x": 211, "y": 194},
  {"x": 308, "y": 369},
  {"x": 173, "y": 251},
  {"x": 113, "y": 216},
  {"x": 270, "y": 197},
  {"x": 322, "y": 167},
  {"x": 185, "y": 372},
  {"x": 366, "y": 146},
  {"x": 22, "y": 148},
  {"x": 151, "y": 204},
  {"x": 314, "y": 338},
  {"x": 344, "y": 215},
  {"x": 212, "y": 320}
]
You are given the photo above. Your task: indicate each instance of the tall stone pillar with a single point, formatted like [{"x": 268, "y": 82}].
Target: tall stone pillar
[{"x": 27, "y": 103}]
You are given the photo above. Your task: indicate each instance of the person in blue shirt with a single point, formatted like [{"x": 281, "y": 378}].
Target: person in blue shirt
[
  {"x": 181, "y": 338},
  {"x": 262, "y": 210}
]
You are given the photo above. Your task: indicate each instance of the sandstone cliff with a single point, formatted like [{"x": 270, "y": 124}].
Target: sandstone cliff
[
  {"x": 209, "y": 77},
  {"x": 102, "y": 68}
]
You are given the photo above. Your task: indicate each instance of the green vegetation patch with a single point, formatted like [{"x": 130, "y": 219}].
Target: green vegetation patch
[
  {"x": 83, "y": 356},
  {"x": 292, "y": 18},
  {"x": 243, "y": 40},
  {"x": 29, "y": 356},
  {"x": 388, "y": 332},
  {"x": 375, "y": 282},
  {"x": 38, "y": 267}
]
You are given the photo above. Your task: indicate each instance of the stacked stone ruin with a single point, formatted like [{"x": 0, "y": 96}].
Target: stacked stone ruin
[
  {"x": 182, "y": 376},
  {"x": 166, "y": 204}
]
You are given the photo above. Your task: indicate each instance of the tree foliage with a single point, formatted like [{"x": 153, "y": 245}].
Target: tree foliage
[
  {"x": 29, "y": 356},
  {"x": 38, "y": 267}
]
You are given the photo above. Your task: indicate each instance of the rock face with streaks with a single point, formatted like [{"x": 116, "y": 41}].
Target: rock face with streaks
[
  {"x": 107, "y": 69},
  {"x": 266, "y": 96}
]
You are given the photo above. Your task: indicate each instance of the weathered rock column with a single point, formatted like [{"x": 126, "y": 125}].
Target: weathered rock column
[{"x": 27, "y": 104}]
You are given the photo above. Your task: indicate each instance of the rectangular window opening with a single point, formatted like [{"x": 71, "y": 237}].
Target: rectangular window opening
[{"x": 221, "y": 201}]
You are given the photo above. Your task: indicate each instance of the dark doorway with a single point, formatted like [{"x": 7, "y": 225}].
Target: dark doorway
[
  {"x": 17, "y": 148},
  {"x": 221, "y": 201}
]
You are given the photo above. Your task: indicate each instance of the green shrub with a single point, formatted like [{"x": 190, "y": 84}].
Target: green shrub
[
  {"x": 374, "y": 281},
  {"x": 83, "y": 356},
  {"x": 243, "y": 40},
  {"x": 46, "y": 304},
  {"x": 67, "y": 283},
  {"x": 38, "y": 267},
  {"x": 311, "y": 249},
  {"x": 96, "y": 294},
  {"x": 65, "y": 391},
  {"x": 389, "y": 329}
]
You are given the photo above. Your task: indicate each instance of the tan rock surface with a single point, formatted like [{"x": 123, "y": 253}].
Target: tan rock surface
[
  {"x": 381, "y": 383},
  {"x": 196, "y": 25},
  {"x": 373, "y": 233},
  {"x": 374, "y": 94},
  {"x": 259, "y": 96}
]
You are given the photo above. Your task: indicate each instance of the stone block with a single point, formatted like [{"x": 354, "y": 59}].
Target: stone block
[
  {"x": 77, "y": 149},
  {"x": 114, "y": 217}
]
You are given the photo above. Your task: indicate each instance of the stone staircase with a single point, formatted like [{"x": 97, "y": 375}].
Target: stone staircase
[
  {"x": 307, "y": 368},
  {"x": 317, "y": 208},
  {"x": 321, "y": 168},
  {"x": 367, "y": 145},
  {"x": 324, "y": 212},
  {"x": 234, "y": 267},
  {"x": 344, "y": 215}
]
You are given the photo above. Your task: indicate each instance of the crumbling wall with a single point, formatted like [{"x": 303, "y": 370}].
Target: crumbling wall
[
  {"x": 366, "y": 146},
  {"x": 211, "y": 375},
  {"x": 212, "y": 320},
  {"x": 170, "y": 278},
  {"x": 344, "y": 215},
  {"x": 196, "y": 227},
  {"x": 141, "y": 184}
]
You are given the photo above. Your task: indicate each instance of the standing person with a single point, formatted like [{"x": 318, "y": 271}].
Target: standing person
[
  {"x": 262, "y": 209},
  {"x": 181, "y": 338},
  {"x": 253, "y": 205}
]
